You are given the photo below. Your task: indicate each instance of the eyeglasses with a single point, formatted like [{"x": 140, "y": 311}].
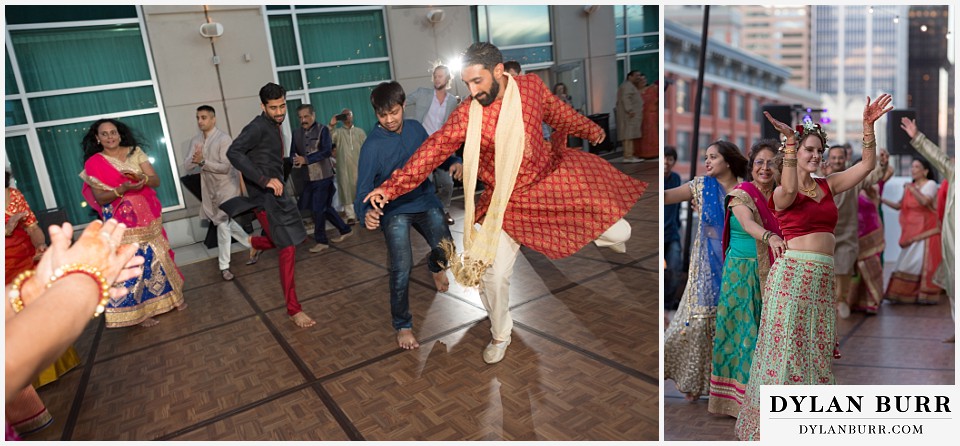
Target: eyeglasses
[
  {"x": 762, "y": 163},
  {"x": 110, "y": 133}
]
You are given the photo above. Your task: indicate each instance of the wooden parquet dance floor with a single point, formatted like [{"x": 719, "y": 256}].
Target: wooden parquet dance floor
[
  {"x": 583, "y": 364},
  {"x": 902, "y": 345}
]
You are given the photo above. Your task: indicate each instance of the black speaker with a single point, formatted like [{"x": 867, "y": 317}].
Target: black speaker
[
  {"x": 780, "y": 112},
  {"x": 898, "y": 142},
  {"x": 46, "y": 218}
]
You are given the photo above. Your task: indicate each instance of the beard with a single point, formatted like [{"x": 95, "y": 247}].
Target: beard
[
  {"x": 278, "y": 119},
  {"x": 486, "y": 98}
]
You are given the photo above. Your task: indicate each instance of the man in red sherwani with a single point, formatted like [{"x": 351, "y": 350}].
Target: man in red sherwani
[{"x": 552, "y": 200}]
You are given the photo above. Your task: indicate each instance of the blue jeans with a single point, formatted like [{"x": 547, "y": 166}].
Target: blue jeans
[
  {"x": 432, "y": 225},
  {"x": 674, "y": 259},
  {"x": 318, "y": 196},
  {"x": 444, "y": 183}
]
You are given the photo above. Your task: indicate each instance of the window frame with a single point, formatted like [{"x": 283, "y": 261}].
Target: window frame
[
  {"x": 30, "y": 128},
  {"x": 628, "y": 34},
  {"x": 305, "y": 91}
]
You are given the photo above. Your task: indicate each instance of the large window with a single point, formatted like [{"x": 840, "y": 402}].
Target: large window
[
  {"x": 66, "y": 67},
  {"x": 637, "y": 40},
  {"x": 723, "y": 103},
  {"x": 331, "y": 57},
  {"x": 683, "y": 95},
  {"x": 706, "y": 102},
  {"x": 522, "y": 33}
]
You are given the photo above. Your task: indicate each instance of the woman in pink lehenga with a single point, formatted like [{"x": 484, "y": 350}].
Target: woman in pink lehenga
[
  {"x": 869, "y": 291},
  {"x": 119, "y": 183}
]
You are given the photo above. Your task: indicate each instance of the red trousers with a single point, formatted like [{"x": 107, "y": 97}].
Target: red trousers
[{"x": 288, "y": 261}]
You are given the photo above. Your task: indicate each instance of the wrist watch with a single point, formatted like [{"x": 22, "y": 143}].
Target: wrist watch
[{"x": 202, "y": 162}]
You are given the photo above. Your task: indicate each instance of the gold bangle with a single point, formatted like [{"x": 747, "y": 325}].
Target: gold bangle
[
  {"x": 89, "y": 271},
  {"x": 16, "y": 299},
  {"x": 790, "y": 152},
  {"x": 789, "y": 162},
  {"x": 118, "y": 194}
]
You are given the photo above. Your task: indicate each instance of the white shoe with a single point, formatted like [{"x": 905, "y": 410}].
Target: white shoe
[
  {"x": 632, "y": 160},
  {"x": 843, "y": 310},
  {"x": 341, "y": 237},
  {"x": 494, "y": 353},
  {"x": 319, "y": 247},
  {"x": 620, "y": 247}
]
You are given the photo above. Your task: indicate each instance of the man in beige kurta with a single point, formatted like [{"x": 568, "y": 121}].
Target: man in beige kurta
[
  {"x": 629, "y": 115},
  {"x": 347, "y": 141},
  {"x": 944, "y": 165},
  {"x": 848, "y": 241},
  {"x": 219, "y": 182}
]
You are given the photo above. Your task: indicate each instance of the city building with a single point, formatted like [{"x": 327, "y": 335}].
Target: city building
[
  {"x": 726, "y": 22},
  {"x": 737, "y": 84},
  {"x": 844, "y": 72},
  {"x": 151, "y": 66},
  {"x": 931, "y": 78},
  {"x": 781, "y": 34}
]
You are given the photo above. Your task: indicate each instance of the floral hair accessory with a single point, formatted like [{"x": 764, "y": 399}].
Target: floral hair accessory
[{"x": 810, "y": 128}]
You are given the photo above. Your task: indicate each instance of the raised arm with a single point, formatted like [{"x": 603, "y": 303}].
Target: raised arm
[
  {"x": 927, "y": 149},
  {"x": 189, "y": 149},
  {"x": 683, "y": 192},
  {"x": 849, "y": 178},
  {"x": 564, "y": 118},
  {"x": 785, "y": 194}
]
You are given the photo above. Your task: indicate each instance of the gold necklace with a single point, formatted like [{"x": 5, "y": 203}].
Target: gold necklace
[
  {"x": 765, "y": 192},
  {"x": 811, "y": 192}
]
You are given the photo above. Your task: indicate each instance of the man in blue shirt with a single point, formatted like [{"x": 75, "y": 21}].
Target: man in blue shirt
[
  {"x": 387, "y": 148},
  {"x": 311, "y": 148},
  {"x": 671, "y": 232}
]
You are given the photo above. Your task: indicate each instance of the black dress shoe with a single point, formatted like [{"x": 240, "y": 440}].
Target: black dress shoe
[{"x": 450, "y": 220}]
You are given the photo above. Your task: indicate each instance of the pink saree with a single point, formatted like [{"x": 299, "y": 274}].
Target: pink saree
[{"x": 160, "y": 288}]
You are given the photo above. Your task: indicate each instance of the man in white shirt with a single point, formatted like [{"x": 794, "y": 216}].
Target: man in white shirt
[{"x": 432, "y": 107}]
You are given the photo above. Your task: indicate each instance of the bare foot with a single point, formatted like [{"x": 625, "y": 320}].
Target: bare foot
[
  {"x": 406, "y": 340},
  {"x": 690, "y": 397},
  {"x": 150, "y": 322},
  {"x": 441, "y": 281},
  {"x": 302, "y": 320},
  {"x": 181, "y": 307}
]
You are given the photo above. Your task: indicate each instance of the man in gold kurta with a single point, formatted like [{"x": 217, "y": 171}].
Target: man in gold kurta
[
  {"x": 347, "y": 141},
  {"x": 559, "y": 200}
]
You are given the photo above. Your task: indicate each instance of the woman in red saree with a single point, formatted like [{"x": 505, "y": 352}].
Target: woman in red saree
[
  {"x": 920, "y": 254},
  {"x": 650, "y": 122},
  {"x": 119, "y": 183}
]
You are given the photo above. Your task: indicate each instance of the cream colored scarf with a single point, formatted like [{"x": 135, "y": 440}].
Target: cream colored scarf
[{"x": 480, "y": 248}]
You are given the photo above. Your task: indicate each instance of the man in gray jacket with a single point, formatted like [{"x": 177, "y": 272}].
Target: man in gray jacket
[{"x": 432, "y": 107}]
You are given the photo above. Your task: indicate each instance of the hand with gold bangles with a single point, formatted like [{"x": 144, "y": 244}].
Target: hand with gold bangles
[
  {"x": 49, "y": 307},
  {"x": 97, "y": 247}
]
